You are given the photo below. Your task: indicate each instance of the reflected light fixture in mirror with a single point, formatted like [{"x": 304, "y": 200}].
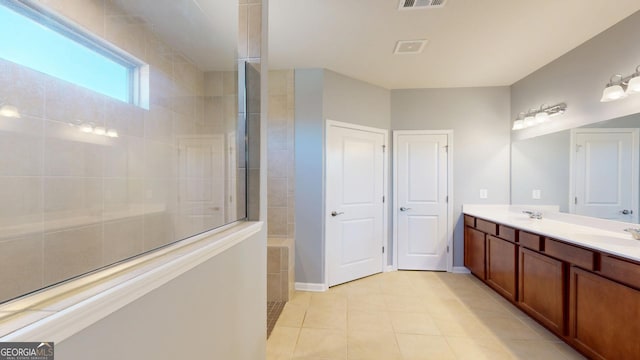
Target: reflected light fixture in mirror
[
  {"x": 9, "y": 111},
  {"x": 622, "y": 87},
  {"x": 535, "y": 117}
]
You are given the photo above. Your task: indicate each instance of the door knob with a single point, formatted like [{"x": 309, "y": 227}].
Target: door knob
[
  {"x": 335, "y": 213},
  {"x": 404, "y": 208},
  {"x": 626, "y": 212}
]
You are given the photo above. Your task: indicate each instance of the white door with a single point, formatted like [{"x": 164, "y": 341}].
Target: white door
[
  {"x": 354, "y": 231},
  {"x": 421, "y": 186},
  {"x": 605, "y": 173},
  {"x": 201, "y": 199}
]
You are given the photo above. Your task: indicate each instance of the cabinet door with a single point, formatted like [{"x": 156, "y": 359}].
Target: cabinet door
[
  {"x": 501, "y": 266},
  {"x": 603, "y": 317},
  {"x": 474, "y": 251},
  {"x": 541, "y": 289}
]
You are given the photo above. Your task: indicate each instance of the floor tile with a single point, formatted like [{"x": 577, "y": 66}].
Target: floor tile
[
  {"x": 372, "y": 345},
  {"x": 533, "y": 350},
  {"x": 321, "y": 344},
  {"x": 292, "y": 315},
  {"x": 282, "y": 342},
  {"x": 369, "y": 321},
  {"x": 427, "y": 347},
  {"x": 413, "y": 323},
  {"x": 374, "y": 302},
  {"x": 477, "y": 348},
  {"x": 325, "y": 318}
]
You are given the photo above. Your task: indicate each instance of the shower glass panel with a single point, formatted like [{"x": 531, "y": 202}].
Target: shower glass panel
[{"x": 89, "y": 179}]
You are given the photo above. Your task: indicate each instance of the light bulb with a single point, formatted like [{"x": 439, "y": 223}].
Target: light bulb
[
  {"x": 9, "y": 111},
  {"x": 542, "y": 117},
  {"x": 86, "y": 128},
  {"x": 634, "y": 86},
  {"x": 112, "y": 133},
  {"x": 613, "y": 92},
  {"x": 99, "y": 130},
  {"x": 529, "y": 120},
  {"x": 518, "y": 124}
]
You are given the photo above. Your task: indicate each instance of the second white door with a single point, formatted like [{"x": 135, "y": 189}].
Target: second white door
[{"x": 421, "y": 190}]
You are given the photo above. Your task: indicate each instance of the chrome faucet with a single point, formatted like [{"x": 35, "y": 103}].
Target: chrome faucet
[{"x": 533, "y": 214}]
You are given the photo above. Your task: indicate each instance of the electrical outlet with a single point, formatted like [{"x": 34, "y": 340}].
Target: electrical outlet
[
  {"x": 535, "y": 194},
  {"x": 484, "y": 194}
]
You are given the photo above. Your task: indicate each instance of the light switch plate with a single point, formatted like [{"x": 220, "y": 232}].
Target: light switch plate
[
  {"x": 484, "y": 194},
  {"x": 535, "y": 194}
]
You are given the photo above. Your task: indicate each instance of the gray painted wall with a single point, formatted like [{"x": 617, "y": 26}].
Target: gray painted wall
[
  {"x": 309, "y": 160},
  {"x": 578, "y": 79},
  {"x": 321, "y": 95},
  {"x": 541, "y": 163},
  {"x": 479, "y": 120},
  {"x": 214, "y": 311}
]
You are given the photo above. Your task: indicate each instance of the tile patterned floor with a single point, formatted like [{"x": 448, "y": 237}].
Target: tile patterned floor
[
  {"x": 274, "y": 309},
  {"x": 410, "y": 315}
]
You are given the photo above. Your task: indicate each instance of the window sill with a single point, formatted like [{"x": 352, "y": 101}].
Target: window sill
[{"x": 60, "y": 312}]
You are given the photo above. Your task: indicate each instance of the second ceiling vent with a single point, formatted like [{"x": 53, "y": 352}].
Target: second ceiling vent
[{"x": 421, "y": 4}]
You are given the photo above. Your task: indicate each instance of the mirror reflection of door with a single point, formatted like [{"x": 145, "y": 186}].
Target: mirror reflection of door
[
  {"x": 202, "y": 169},
  {"x": 604, "y": 173}
]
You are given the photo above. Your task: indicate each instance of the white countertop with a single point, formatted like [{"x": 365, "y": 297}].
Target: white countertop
[{"x": 598, "y": 234}]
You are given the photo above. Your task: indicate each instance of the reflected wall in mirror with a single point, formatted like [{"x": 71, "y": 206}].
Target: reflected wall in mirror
[
  {"x": 591, "y": 170},
  {"x": 90, "y": 177}
]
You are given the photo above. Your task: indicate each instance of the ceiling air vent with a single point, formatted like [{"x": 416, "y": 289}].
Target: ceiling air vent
[
  {"x": 421, "y": 4},
  {"x": 409, "y": 46}
]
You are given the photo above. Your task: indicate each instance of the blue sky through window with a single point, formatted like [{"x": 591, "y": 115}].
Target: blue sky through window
[{"x": 26, "y": 42}]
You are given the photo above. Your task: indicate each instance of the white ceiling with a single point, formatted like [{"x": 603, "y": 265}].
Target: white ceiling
[{"x": 471, "y": 42}]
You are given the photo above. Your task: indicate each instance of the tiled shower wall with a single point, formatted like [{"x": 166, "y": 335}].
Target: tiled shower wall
[
  {"x": 72, "y": 202},
  {"x": 280, "y": 145}
]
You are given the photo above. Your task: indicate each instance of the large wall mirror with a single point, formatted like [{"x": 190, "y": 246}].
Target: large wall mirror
[{"x": 591, "y": 170}]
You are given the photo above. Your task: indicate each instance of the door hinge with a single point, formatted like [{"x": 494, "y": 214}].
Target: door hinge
[
  {"x": 383, "y": 249},
  {"x": 575, "y": 200},
  {"x": 446, "y": 148},
  {"x": 446, "y": 199},
  {"x": 383, "y": 199},
  {"x": 447, "y": 249},
  {"x": 384, "y": 148}
]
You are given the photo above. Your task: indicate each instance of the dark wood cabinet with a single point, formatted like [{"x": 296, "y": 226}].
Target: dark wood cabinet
[
  {"x": 501, "y": 266},
  {"x": 589, "y": 298},
  {"x": 604, "y": 317},
  {"x": 474, "y": 251},
  {"x": 541, "y": 289}
]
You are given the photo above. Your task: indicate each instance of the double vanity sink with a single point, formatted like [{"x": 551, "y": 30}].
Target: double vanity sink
[{"x": 577, "y": 276}]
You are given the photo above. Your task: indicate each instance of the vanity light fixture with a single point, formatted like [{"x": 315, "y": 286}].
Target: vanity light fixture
[
  {"x": 620, "y": 86},
  {"x": 538, "y": 116},
  {"x": 9, "y": 111}
]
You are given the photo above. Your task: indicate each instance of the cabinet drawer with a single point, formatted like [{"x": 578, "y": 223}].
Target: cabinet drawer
[
  {"x": 624, "y": 271},
  {"x": 487, "y": 226},
  {"x": 531, "y": 241},
  {"x": 469, "y": 221},
  {"x": 507, "y": 233},
  {"x": 569, "y": 253}
]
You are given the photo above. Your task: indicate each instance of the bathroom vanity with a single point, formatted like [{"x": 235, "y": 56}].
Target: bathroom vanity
[{"x": 577, "y": 276}]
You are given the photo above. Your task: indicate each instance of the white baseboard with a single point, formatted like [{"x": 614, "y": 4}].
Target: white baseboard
[
  {"x": 389, "y": 268},
  {"x": 314, "y": 287},
  {"x": 460, "y": 270}
]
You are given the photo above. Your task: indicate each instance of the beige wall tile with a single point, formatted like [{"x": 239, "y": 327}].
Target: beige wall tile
[
  {"x": 158, "y": 230},
  {"x": 115, "y": 157},
  {"x": 243, "y": 32},
  {"x": 274, "y": 289},
  {"x": 277, "y": 163},
  {"x": 22, "y": 88},
  {"x": 123, "y": 239},
  {"x": 66, "y": 102},
  {"x": 69, "y": 152},
  {"x": 277, "y": 192},
  {"x": 21, "y": 147},
  {"x": 158, "y": 124},
  {"x": 213, "y": 83},
  {"x": 20, "y": 266},
  {"x": 273, "y": 259},
  {"x": 87, "y": 13},
  {"x": 72, "y": 252},
  {"x": 277, "y": 219},
  {"x": 255, "y": 30},
  {"x": 22, "y": 202}
]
